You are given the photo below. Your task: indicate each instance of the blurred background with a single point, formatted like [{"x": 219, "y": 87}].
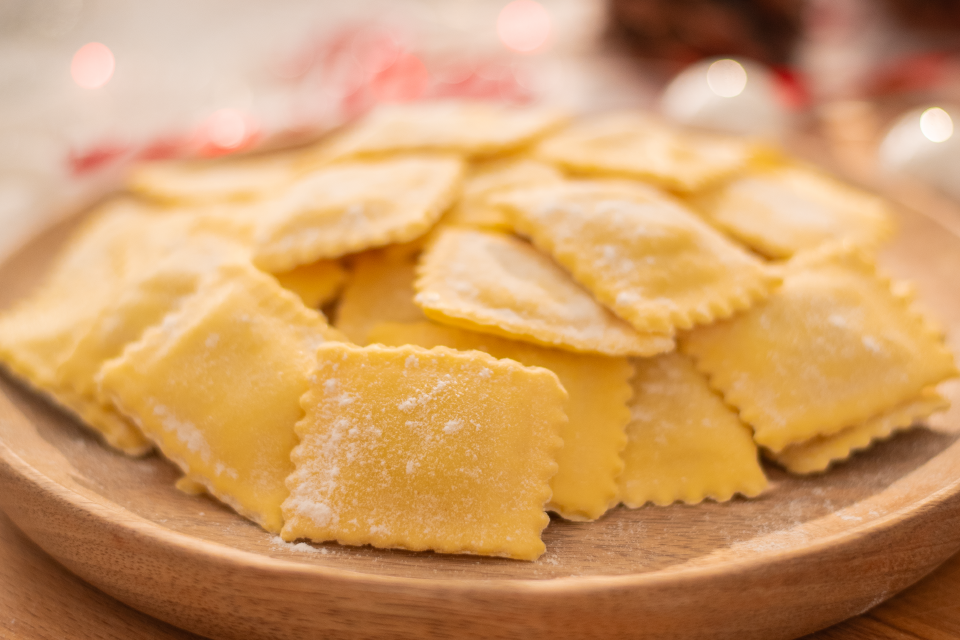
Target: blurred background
[{"x": 89, "y": 86}]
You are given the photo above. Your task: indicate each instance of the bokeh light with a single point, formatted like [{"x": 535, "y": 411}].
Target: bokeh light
[
  {"x": 727, "y": 78},
  {"x": 936, "y": 125},
  {"x": 523, "y": 25},
  {"x": 92, "y": 65},
  {"x": 227, "y": 129}
]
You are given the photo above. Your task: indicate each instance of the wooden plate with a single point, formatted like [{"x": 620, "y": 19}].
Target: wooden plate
[{"x": 808, "y": 553}]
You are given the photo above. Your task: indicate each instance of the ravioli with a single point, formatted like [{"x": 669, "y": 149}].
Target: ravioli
[
  {"x": 416, "y": 449},
  {"x": 789, "y": 209},
  {"x": 220, "y": 180},
  {"x": 354, "y": 206},
  {"x": 379, "y": 289},
  {"x": 683, "y": 443},
  {"x": 637, "y": 145},
  {"x": 494, "y": 283},
  {"x": 473, "y": 129},
  {"x": 598, "y": 389},
  {"x": 486, "y": 179},
  {"x": 816, "y": 454},
  {"x": 641, "y": 253},
  {"x": 317, "y": 284},
  {"x": 117, "y": 242},
  {"x": 143, "y": 302},
  {"x": 217, "y": 386},
  {"x": 831, "y": 349}
]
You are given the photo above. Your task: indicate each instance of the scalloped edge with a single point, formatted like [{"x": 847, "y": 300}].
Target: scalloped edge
[
  {"x": 818, "y": 454},
  {"x": 548, "y": 470},
  {"x": 838, "y": 253},
  {"x": 269, "y": 258}
]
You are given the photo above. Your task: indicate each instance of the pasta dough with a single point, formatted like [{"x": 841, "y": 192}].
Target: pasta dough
[
  {"x": 405, "y": 447},
  {"x": 598, "y": 389},
  {"x": 317, "y": 284},
  {"x": 354, "y": 206},
  {"x": 831, "y": 349},
  {"x": 494, "y": 283},
  {"x": 217, "y": 387},
  {"x": 640, "y": 146},
  {"x": 780, "y": 212},
  {"x": 654, "y": 263},
  {"x": 683, "y": 442},
  {"x": 210, "y": 181},
  {"x": 474, "y": 129},
  {"x": 380, "y": 289},
  {"x": 818, "y": 453},
  {"x": 485, "y": 180}
]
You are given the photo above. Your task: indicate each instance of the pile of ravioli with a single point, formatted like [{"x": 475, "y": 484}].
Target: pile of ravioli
[{"x": 433, "y": 326}]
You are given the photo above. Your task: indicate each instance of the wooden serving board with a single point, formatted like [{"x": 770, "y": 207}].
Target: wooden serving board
[{"x": 808, "y": 553}]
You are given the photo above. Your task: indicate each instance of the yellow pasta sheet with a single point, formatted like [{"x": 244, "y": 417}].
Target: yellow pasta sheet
[
  {"x": 495, "y": 283},
  {"x": 474, "y": 129},
  {"x": 683, "y": 443},
  {"x": 354, "y": 206},
  {"x": 831, "y": 349},
  {"x": 143, "y": 302},
  {"x": 638, "y": 145},
  {"x": 219, "y": 180},
  {"x": 789, "y": 209},
  {"x": 641, "y": 253},
  {"x": 425, "y": 449},
  {"x": 379, "y": 289},
  {"x": 816, "y": 454},
  {"x": 598, "y": 388},
  {"x": 115, "y": 244},
  {"x": 317, "y": 284},
  {"x": 217, "y": 387},
  {"x": 485, "y": 180}
]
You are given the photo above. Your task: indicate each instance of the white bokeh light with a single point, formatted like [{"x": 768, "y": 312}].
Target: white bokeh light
[
  {"x": 936, "y": 125},
  {"x": 727, "y": 78},
  {"x": 227, "y": 128}
]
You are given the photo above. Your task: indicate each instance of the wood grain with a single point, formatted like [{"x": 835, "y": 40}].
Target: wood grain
[
  {"x": 809, "y": 553},
  {"x": 40, "y": 599}
]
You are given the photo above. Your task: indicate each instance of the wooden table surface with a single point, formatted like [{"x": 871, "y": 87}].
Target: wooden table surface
[{"x": 39, "y": 599}]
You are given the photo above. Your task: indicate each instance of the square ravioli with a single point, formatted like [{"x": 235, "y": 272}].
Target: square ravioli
[
  {"x": 142, "y": 303},
  {"x": 683, "y": 442},
  {"x": 637, "y": 145},
  {"x": 474, "y": 129},
  {"x": 598, "y": 389},
  {"x": 217, "y": 387},
  {"x": 816, "y": 454},
  {"x": 220, "y": 180},
  {"x": 789, "y": 209},
  {"x": 317, "y": 284},
  {"x": 118, "y": 241},
  {"x": 354, "y": 206},
  {"x": 425, "y": 449},
  {"x": 495, "y": 283},
  {"x": 379, "y": 289},
  {"x": 486, "y": 179},
  {"x": 656, "y": 264},
  {"x": 832, "y": 348}
]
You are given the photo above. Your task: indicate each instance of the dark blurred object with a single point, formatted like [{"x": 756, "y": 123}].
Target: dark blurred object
[
  {"x": 686, "y": 30},
  {"x": 931, "y": 15}
]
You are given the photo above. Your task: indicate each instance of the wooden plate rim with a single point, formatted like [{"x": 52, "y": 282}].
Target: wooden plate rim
[{"x": 883, "y": 526}]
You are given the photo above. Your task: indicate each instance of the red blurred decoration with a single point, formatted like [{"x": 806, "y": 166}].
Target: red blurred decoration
[
  {"x": 97, "y": 157},
  {"x": 912, "y": 73},
  {"x": 792, "y": 88},
  {"x": 350, "y": 72},
  {"x": 404, "y": 80}
]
